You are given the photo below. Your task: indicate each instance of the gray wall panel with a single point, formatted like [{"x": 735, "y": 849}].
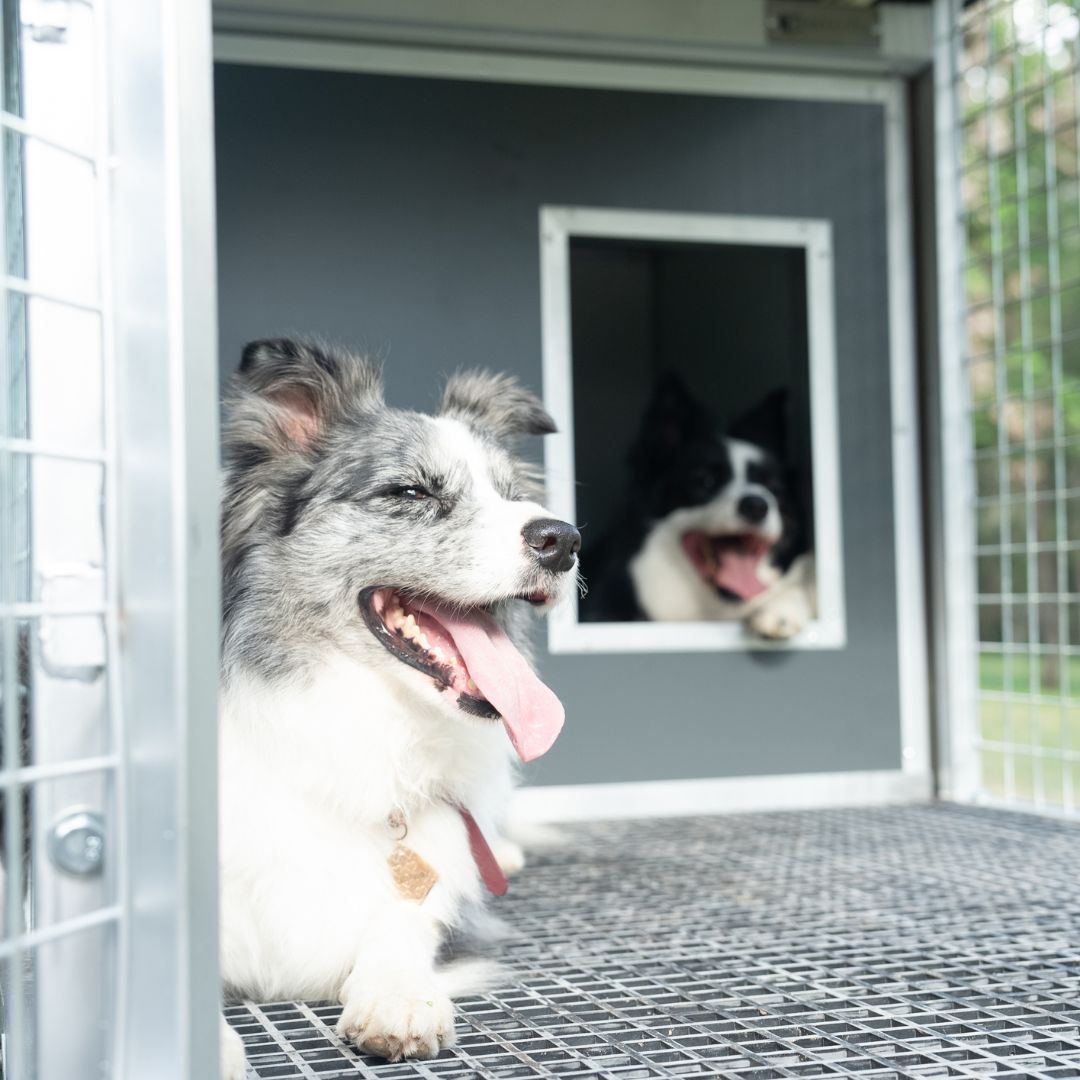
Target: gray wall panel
[{"x": 401, "y": 214}]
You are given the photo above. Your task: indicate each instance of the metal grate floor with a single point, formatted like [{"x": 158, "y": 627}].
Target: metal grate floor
[{"x": 929, "y": 941}]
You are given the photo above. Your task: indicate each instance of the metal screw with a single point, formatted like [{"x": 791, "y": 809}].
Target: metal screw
[{"x": 77, "y": 843}]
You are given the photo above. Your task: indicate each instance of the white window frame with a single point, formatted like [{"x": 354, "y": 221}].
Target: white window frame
[{"x": 558, "y": 225}]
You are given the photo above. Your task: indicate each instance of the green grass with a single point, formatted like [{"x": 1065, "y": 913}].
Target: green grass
[
  {"x": 1035, "y": 731},
  {"x": 992, "y": 675}
]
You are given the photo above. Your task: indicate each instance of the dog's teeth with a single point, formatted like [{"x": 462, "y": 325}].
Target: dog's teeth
[{"x": 472, "y": 685}]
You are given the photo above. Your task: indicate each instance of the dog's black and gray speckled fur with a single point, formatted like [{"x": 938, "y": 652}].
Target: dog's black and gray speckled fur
[{"x": 314, "y": 504}]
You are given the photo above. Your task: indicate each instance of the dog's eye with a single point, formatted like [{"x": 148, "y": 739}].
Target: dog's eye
[{"x": 405, "y": 492}]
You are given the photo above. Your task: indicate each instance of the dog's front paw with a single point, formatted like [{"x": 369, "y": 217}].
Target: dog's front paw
[
  {"x": 396, "y": 1024},
  {"x": 233, "y": 1063},
  {"x": 780, "y": 620}
]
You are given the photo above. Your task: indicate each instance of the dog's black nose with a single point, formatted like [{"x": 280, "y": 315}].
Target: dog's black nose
[
  {"x": 555, "y": 543},
  {"x": 753, "y": 508}
]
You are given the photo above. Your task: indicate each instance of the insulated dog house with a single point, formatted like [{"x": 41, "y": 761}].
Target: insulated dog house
[
  {"x": 417, "y": 181},
  {"x": 486, "y": 196}
]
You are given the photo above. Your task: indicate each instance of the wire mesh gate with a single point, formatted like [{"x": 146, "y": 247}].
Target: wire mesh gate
[
  {"x": 60, "y": 613},
  {"x": 107, "y": 459},
  {"x": 1009, "y": 185}
]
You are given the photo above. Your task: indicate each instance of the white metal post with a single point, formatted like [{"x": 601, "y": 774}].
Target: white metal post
[
  {"x": 959, "y": 775},
  {"x": 166, "y": 348}
]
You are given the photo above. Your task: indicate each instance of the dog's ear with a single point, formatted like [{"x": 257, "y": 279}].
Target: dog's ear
[
  {"x": 496, "y": 404},
  {"x": 294, "y": 390},
  {"x": 767, "y": 424},
  {"x": 671, "y": 419}
]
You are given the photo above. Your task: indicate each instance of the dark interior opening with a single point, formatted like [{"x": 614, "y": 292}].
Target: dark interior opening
[{"x": 731, "y": 319}]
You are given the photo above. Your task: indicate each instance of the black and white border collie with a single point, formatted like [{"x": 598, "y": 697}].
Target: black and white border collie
[{"x": 711, "y": 527}]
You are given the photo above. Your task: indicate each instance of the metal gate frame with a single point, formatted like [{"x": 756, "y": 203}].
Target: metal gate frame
[
  {"x": 164, "y": 299},
  {"x": 157, "y": 966},
  {"x": 957, "y": 774}
]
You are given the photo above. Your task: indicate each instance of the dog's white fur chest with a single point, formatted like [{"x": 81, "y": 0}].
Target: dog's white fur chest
[{"x": 310, "y": 775}]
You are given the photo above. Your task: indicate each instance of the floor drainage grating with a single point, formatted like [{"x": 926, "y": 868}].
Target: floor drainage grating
[{"x": 930, "y": 941}]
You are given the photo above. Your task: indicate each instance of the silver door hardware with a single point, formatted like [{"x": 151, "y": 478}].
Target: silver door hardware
[{"x": 77, "y": 843}]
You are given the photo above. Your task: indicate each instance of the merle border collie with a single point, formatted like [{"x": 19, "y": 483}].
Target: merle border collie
[
  {"x": 380, "y": 568},
  {"x": 711, "y": 527}
]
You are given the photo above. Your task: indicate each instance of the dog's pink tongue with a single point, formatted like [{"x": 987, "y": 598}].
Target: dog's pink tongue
[
  {"x": 533, "y": 715},
  {"x": 736, "y": 571}
]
